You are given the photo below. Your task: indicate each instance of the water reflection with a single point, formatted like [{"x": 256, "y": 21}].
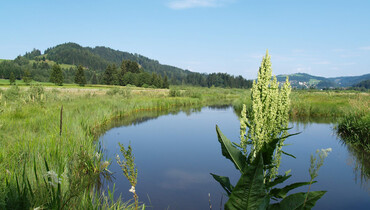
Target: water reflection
[
  {"x": 175, "y": 154},
  {"x": 181, "y": 179},
  {"x": 136, "y": 118},
  {"x": 359, "y": 159}
]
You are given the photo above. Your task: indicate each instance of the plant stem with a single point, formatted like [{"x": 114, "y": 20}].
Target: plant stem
[{"x": 309, "y": 187}]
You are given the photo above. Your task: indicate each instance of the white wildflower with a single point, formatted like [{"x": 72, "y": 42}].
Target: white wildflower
[
  {"x": 132, "y": 189},
  {"x": 53, "y": 178}
]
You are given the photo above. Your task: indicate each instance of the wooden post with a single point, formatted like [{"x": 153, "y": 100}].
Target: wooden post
[{"x": 61, "y": 120}]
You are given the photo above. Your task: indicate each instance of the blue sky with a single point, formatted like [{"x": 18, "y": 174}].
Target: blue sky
[{"x": 319, "y": 37}]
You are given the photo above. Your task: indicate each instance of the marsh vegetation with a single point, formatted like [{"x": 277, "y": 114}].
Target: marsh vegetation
[{"x": 41, "y": 168}]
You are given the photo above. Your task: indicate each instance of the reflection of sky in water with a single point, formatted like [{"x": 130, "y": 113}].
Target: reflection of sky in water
[
  {"x": 175, "y": 154},
  {"x": 182, "y": 180}
]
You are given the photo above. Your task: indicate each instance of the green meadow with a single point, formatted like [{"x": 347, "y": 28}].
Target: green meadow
[{"x": 47, "y": 128}]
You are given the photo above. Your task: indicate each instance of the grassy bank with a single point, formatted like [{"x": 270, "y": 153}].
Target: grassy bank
[
  {"x": 354, "y": 130},
  {"x": 31, "y": 147},
  {"x": 331, "y": 105},
  {"x": 41, "y": 168}
]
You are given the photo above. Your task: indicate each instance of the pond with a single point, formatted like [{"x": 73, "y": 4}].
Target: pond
[{"x": 175, "y": 152}]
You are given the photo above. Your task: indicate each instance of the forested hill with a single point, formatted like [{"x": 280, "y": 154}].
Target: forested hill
[
  {"x": 99, "y": 58},
  {"x": 100, "y": 61},
  {"x": 303, "y": 80}
]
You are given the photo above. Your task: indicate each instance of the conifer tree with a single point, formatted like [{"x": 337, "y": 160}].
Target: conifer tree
[
  {"x": 122, "y": 73},
  {"x": 27, "y": 77},
  {"x": 159, "y": 82},
  {"x": 56, "y": 75},
  {"x": 108, "y": 76},
  {"x": 80, "y": 76},
  {"x": 12, "y": 79},
  {"x": 165, "y": 82},
  {"x": 94, "y": 79},
  {"x": 115, "y": 80}
]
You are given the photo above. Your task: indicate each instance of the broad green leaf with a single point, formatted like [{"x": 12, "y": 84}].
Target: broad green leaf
[
  {"x": 269, "y": 147},
  {"x": 296, "y": 201},
  {"x": 224, "y": 182},
  {"x": 265, "y": 203},
  {"x": 281, "y": 193},
  {"x": 230, "y": 151},
  {"x": 279, "y": 179},
  {"x": 249, "y": 192}
]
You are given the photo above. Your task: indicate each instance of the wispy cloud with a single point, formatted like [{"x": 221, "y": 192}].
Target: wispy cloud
[
  {"x": 365, "y": 48},
  {"x": 187, "y": 4},
  {"x": 180, "y": 179}
]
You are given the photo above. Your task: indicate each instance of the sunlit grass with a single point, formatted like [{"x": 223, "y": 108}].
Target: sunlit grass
[
  {"x": 30, "y": 122},
  {"x": 30, "y": 128}
]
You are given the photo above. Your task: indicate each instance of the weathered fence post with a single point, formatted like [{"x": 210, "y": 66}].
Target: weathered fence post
[{"x": 61, "y": 120}]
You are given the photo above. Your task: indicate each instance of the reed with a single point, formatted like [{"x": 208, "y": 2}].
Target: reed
[{"x": 31, "y": 135}]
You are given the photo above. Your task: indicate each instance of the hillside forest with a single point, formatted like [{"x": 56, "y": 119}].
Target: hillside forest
[{"x": 102, "y": 65}]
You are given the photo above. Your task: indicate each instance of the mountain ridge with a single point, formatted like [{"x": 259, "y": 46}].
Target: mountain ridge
[{"x": 305, "y": 80}]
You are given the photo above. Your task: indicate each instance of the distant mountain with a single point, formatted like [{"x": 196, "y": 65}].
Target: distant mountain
[
  {"x": 99, "y": 59},
  {"x": 363, "y": 84},
  {"x": 350, "y": 80},
  {"x": 303, "y": 80}
]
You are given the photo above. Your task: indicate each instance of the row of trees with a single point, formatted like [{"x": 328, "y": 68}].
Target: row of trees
[
  {"x": 104, "y": 66},
  {"x": 98, "y": 58},
  {"x": 130, "y": 73}
]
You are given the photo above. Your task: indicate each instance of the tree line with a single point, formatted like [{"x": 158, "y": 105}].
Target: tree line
[{"x": 104, "y": 66}]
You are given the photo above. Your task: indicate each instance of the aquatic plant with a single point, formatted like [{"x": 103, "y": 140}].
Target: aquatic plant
[
  {"x": 354, "y": 130},
  {"x": 128, "y": 168},
  {"x": 267, "y": 130}
]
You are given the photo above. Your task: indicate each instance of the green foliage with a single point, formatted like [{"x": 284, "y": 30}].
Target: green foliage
[
  {"x": 363, "y": 84},
  {"x": 110, "y": 75},
  {"x": 12, "y": 79},
  {"x": 174, "y": 93},
  {"x": 317, "y": 162},
  {"x": 27, "y": 78},
  {"x": 165, "y": 82},
  {"x": 12, "y": 93},
  {"x": 29, "y": 132},
  {"x": 128, "y": 168},
  {"x": 296, "y": 201},
  {"x": 306, "y": 81},
  {"x": 80, "y": 76},
  {"x": 94, "y": 79},
  {"x": 254, "y": 188},
  {"x": 354, "y": 129},
  {"x": 219, "y": 80},
  {"x": 57, "y": 75},
  {"x": 99, "y": 58},
  {"x": 267, "y": 130},
  {"x": 269, "y": 116},
  {"x": 36, "y": 92},
  {"x": 124, "y": 92}
]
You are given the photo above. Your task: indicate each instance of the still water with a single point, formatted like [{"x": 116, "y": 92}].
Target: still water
[{"x": 176, "y": 151}]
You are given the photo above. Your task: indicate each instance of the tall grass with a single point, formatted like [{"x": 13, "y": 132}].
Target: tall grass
[
  {"x": 29, "y": 137},
  {"x": 29, "y": 134},
  {"x": 318, "y": 105}
]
